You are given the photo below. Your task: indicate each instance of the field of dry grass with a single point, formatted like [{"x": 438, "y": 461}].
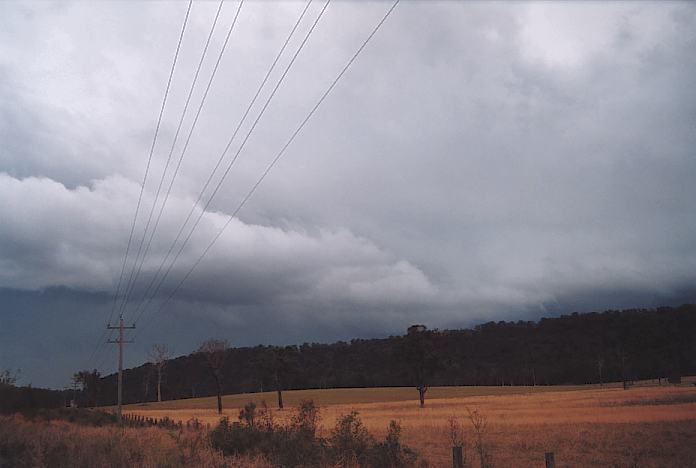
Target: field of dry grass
[
  {"x": 645, "y": 426},
  {"x": 58, "y": 444}
]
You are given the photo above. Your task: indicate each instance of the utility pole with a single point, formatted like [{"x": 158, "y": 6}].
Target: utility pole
[{"x": 120, "y": 341}]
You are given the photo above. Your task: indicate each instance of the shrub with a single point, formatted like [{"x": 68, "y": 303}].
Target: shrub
[
  {"x": 236, "y": 439},
  {"x": 297, "y": 445},
  {"x": 390, "y": 453},
  {"x": 294, "y": 445},
  {"x": 307, "y": 417},
  {"x": 82, "y": 416},
  {"x": 247, "y": 414},
  {"x": 350, "y": 441}
]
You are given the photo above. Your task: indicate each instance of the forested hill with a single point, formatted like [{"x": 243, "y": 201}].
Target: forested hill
[{"x": 571, "y": 349}]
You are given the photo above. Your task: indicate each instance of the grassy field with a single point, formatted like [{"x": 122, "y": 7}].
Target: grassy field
[
  {"x": 645, "y": 426},
  {"x": 62, "y": 444},
  {"x": 346, "y": 396}
]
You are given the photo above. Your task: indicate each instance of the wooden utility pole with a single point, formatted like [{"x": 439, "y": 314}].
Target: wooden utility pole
[{"x": 120, "y": 341}]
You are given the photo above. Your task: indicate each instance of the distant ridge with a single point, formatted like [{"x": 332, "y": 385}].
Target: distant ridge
[{"x": 632, "y": 344}]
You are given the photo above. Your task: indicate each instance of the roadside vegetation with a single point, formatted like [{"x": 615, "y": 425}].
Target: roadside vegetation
[
  {"x": 298, "y": 443},
  {"x": 87, "y": 438},
  {"x": 58, "y": 443}
]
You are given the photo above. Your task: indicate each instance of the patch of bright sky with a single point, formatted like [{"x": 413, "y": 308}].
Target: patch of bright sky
[{"x": 567, "y": 35}]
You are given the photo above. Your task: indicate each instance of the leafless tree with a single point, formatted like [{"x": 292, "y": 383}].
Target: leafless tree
[
  {"x": 480, "y": 423},
  {"x": 159, "y": 354},
  {"x": 215, "y": 352}
]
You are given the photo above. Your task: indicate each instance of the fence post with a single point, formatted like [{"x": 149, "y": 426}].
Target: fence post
[
  {"x": 550, "y": 460},
  {"x": 457, "y": 456}
]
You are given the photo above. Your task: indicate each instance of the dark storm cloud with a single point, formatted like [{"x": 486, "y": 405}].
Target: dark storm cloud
[{"x": 479, "y": 161}]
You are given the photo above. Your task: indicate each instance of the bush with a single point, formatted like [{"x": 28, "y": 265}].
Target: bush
[
  {"x": 297, "y": 444},
  {"x": 20, "y": 399},
  {"x": 350, "y": 441},
  {"x": 247, "y": 414},
  {"x": 390, "y": 453},
  {"x": 81, "y": 416},
  {"x": 235, "y": 439},
  {"x": 294, "y": 445}
]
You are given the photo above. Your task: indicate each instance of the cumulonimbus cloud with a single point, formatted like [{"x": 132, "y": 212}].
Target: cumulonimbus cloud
[{"x": 56, "y": 236}]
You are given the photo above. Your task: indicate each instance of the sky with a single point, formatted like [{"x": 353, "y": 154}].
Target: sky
[{"x": 477, "y": 161}]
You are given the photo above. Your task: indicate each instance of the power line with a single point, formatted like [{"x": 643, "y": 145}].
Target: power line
[
  {"x": 234, "y": 159},
  {"x": 277, "y": 157},
  {"x": 188, "y": 139},
  {"x": 147, "y": 169},
  {"x": 220, "y": 159},
  {"x": 149, "y": 159},
  {"x": 183, "y": 152},
  {"x": 229, "y": 167}
]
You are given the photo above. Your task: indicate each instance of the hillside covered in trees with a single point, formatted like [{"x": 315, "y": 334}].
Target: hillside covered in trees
[{"x": 571, "y": 349}]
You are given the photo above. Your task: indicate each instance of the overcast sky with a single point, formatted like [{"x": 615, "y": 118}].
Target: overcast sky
[{"x": 478, "y": 161}]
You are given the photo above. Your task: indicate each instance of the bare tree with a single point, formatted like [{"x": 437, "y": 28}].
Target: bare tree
[
  {"x": 215, "y": 352},
  {"x": 159, "y": 354}
]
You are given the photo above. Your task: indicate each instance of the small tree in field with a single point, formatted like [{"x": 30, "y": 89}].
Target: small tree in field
[
  {"x": 276, "y": 363},
  {"x": 418, "y": 356},
  {"x": 159, "y": 354},
  {"x": 215, "y": 352}
]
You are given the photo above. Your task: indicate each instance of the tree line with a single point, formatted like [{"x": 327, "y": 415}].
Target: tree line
[{"x": 571, "y": 349}]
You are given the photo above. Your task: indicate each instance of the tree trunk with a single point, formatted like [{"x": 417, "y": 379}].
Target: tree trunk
[
  {"x": 457, "y": 456},
  {"x": 219, "y": 395},
  {"x": 159, "y": 385},
  {"x": 280, "y": 392},
  {"x": 421, "y": 394},
  {"x": 280, "y": 399}
]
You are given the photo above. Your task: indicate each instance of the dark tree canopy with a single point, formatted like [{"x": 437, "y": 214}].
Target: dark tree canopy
[{"x": 631, "y": 344}]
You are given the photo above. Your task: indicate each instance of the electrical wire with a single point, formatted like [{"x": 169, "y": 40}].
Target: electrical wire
[
  {"x": 183, "y": 152},
  {"x": 100, "y": 342},
  {"x": 274, "y": 161},
  {"x": 221, "y": 158}
]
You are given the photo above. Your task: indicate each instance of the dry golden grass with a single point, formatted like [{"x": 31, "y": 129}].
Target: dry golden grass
[
  {"x": 62, "y": 444},
  {"x": 347, "y": 396},
  {"x": 649, "y": 426}
]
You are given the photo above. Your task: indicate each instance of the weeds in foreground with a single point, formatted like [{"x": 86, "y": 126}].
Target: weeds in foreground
[
  {"x": 297, "y": 444},
  {"x": 61, "y": 444},
  {"x": 480, "y": 423}
]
